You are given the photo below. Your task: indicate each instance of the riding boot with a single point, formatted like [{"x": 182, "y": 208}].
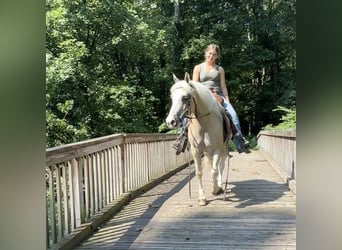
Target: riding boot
[
  {"x": 181, "y": 142},
  {"x": 240, "y": 142}
]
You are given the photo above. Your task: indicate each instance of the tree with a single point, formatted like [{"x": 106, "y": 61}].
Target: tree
[{"x": 109, "y": 65}]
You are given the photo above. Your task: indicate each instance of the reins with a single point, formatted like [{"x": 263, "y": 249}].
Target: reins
[
  {"x": 226, "y": 183},
  {"x": 191, "y": 115}
]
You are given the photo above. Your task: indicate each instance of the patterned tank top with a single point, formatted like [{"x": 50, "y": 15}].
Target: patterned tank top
[{"x": 211, "y": 79}]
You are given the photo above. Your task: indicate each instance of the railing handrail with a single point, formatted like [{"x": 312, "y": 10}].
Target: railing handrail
[
  {"x": 89, "y": 142},
  {"x": 278, "y": 133},
  {"x": 65, "y": 152}
]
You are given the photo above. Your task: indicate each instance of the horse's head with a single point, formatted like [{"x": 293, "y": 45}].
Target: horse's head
[{"x": 181, "y": 98}]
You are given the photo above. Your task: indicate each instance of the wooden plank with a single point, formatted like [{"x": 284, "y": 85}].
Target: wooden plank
[
  {"x": 122, "y": 168},
  {"x": 75, "y": 150},
  {"x": 102, "y": 180},
  {"x": 106, "y": 173},
  {"x": 117, "y": 172},
  {"x": 71, "y": 193},
  {"x": 128, "y": 168},
  {"x": 111, "y": 174},
  {"x": 82, "y": 164},
  {"x": 76, "y": 192},
  {"x": 148, "y": 137},
  {"x": 66, "y": 201},
  {"x": 58, "y": 203},
  {"x": 96, "y": 182},
  {"x": 70, "y": 152},
  {"x": 91, "y": 185},
  {"x": 86, "y": 188},
  {"x": 52, "y": 217}
]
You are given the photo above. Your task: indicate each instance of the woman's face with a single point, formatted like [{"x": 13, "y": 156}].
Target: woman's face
[{"x": 211, "y": 55}]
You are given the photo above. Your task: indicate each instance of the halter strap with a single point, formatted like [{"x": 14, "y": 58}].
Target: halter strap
[{"x": 195, "y": 115}]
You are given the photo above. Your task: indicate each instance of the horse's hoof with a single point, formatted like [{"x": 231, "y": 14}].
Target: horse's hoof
[
  {"x": 202, "y": 202},
  {"x": 219, "y": 191}
]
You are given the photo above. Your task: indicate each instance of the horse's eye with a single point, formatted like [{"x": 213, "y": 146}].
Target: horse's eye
[{"x": 186, "y": 98}]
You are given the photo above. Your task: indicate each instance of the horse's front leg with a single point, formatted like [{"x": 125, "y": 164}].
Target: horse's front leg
[
  {"x": 202, "y": 201},
  {"x": 224, "y": 156},
  {"x": 219, "y": 159}
]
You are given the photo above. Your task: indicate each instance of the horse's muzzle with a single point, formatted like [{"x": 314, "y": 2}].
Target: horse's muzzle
[{"x": 172, "y": 122}]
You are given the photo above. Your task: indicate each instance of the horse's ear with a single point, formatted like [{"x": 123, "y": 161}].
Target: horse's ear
[
  {"x": 175, "y": 79},
  {"x": 187, "y": 77}
]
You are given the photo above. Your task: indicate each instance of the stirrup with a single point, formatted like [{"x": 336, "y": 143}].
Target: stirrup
[{"x": 246, "y": 143}]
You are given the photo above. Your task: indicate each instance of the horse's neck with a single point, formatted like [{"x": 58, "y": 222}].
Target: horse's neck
[{"x": 202, "y": 104}]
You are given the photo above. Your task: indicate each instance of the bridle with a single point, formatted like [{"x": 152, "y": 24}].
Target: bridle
[{"x": 191, "y": 115}]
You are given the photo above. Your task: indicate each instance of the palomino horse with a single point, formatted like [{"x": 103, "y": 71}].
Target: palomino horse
[{"x": 205, "y": 129}]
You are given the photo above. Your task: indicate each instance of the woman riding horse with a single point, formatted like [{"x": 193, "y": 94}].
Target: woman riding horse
[
  {"x": 212, "y": 75},
  {"x": 205, "y": 129}
]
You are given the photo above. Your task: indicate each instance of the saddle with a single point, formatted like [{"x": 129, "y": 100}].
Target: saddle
[
  {"x": 227, "y": 124},
  {"x": 217, "y": 97}
]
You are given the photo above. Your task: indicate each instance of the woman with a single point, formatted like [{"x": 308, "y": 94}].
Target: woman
[{"x": 212, "y": 75}]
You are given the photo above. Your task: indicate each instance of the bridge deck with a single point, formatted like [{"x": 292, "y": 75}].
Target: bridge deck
[{"x": 258, "y": 213}]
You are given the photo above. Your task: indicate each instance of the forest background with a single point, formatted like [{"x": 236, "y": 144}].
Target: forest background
[{"x": 109, "y": 64}]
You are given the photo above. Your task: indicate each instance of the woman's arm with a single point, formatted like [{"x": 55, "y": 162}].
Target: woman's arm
[
  {"x": 223, "y": 84},
  {"x": 196, "y": 73}
]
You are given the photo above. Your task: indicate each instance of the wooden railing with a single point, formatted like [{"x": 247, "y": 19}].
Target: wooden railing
[
  {"x": 279, "y": 147},
  {"x": 86, "y": 179}
]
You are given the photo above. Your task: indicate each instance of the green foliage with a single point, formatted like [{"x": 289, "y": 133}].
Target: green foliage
[
  {"x": 253, "y": 143},
  {"x": 131, "y": 110},
  {"x": 288, "y": 119},
  {"x": 104, "y": 69},
  {"x": 163, "y": 128},
  {"x": 109, "y": 64}
]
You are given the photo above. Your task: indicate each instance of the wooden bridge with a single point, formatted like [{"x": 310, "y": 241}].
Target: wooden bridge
[{"x": 258, "y": 211}]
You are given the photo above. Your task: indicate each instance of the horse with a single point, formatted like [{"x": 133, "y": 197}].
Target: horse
[{"x": 193, "y": 100}]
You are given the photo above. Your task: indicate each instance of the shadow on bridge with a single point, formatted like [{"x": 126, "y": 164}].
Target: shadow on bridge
[
  {"x": 182, "y": 224},
  {"x": 126, "y": 226},
  {"x": 253, "y": 192}
]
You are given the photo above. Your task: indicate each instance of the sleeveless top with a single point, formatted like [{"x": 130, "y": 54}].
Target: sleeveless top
[{"x": 211, "y": 79}]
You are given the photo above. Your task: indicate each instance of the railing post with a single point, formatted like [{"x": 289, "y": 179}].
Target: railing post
[
  {"x": 52, "y": 206},
  {"x": 59, "y": 202},
  {"x": 65, "y": 198},
  {"x": 122, "y": 166},
  {"x": 50, "y": 219},
  {"x": 78, "y": 190},
  {"x": 147, "y": 161},
  {"x": 47, "y": 226}
]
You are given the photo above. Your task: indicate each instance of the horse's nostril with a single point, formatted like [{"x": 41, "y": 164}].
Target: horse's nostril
[{"x": 170, "y": 123}]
